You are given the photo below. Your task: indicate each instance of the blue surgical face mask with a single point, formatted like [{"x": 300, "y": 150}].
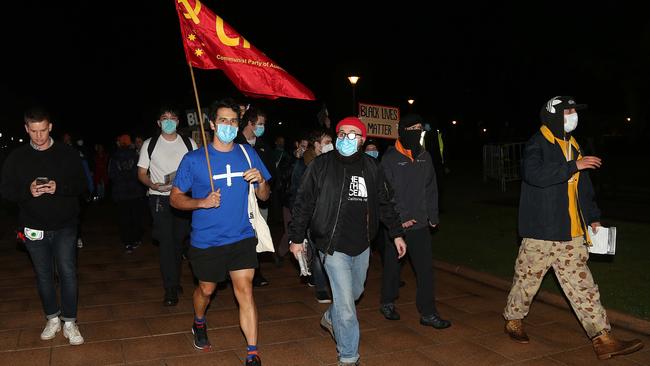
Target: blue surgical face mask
[
  {"x": 259, "y": 130},
  {"x": 226, "y": 133},
  {"x": 346, "y": 147},
  {"x": 373, "y": 153},
  {"x": 168, "y": 126}
]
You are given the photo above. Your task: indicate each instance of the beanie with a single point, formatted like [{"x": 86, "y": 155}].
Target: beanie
[{"x": 352, "y": 121}]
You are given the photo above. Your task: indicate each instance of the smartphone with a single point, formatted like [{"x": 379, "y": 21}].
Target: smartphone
[{"x": 42, "y": 180}]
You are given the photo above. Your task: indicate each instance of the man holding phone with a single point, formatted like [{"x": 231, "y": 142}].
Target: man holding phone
[{"x": 46, "y": 179}]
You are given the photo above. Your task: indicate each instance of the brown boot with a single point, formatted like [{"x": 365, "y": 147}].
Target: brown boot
[
  {"x": 606, "y": 346},
  {"x": 515, "y": 329}
]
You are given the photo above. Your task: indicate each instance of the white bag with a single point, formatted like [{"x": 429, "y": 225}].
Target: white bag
[{"x": 264, "y": 239}]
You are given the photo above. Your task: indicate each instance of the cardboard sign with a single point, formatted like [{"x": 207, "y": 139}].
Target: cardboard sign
[{"x": 381, "y": 121}]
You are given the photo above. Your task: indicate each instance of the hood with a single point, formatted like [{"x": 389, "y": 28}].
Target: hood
[{"x": 552, "y": 114}]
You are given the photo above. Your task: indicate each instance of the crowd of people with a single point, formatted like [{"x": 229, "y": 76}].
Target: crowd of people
[{"x": 338, "y": 196}]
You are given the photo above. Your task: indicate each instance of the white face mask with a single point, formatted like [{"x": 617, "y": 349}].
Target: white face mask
[
  {"x": 570, "y": 122},
  {"x": 326, "y": 148}
]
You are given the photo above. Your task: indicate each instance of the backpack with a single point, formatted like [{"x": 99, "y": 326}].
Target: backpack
[{"x": 154, "y": 141}]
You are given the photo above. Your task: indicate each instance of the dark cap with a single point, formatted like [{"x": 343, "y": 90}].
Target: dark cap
[
  {"x": 410, "y": 120},
  {"x": 560, "y": 103}
]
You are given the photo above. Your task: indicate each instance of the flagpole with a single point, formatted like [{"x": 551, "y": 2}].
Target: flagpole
[{"x": 200, "y": 112}]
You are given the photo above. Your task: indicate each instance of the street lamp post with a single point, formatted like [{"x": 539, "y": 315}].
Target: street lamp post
[{"x": 353, "y": 81}]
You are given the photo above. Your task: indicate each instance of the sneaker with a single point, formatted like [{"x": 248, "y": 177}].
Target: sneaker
[
  {"x": 128, "y": 248},
  {"x": 71, "y": 331},
  {"x": 310, "y": 281},
  {"x": 171, "y": 296},
  {"x": 52, "y": 327},
  {"x": 389, "y": 312},
  {"x": 434, "y": 320},
  {"x": 323, "y": 297},
  {"x": 200, "y": 332},
  {"x": 349, "y": 363},
  {"x": 260, "y": 281},
  {"x": 80, "y": 243},
  {"x": 326, "y": 325},
  {"x": 255, "y": 361}
]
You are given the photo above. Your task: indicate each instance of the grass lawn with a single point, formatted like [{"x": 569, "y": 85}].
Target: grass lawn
[{"x": 478, "y": 229}]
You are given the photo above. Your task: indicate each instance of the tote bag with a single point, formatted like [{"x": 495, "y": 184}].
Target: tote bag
[{"x": 264, "y": 240}]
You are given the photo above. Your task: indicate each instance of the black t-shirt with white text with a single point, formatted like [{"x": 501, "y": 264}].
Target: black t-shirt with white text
[{"x": 353, "y": 219}]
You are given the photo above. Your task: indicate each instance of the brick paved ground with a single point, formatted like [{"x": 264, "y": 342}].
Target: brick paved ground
[{"x": 123, "y": 321}]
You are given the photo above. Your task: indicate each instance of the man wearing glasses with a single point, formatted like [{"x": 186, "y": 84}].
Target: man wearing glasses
[
  {"x": 223, "y": 240},
  {"x": 409, "y": 171},
  {"x": 348, "y": 186}
]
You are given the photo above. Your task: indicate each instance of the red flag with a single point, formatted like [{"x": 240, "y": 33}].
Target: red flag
[{"x": 210, "y": 43}]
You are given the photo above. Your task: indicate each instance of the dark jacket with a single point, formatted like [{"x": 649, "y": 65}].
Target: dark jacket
[
  {"x": 414, "y": 182},
  {"x": 59, "y": 163},
  {"x": 544, "y": 202},
  {"x": 319, "y": 199},
  {"x": 265, "y": 155},
  {"x": 123, "y": 172}
]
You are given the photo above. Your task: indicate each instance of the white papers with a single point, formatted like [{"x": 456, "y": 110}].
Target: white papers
[
  {"x": 169, "y": 178},
  {"x": 604, "y": 240}
]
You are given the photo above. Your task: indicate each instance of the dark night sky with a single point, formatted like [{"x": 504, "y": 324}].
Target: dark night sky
[{"x": 104, "y": 67}]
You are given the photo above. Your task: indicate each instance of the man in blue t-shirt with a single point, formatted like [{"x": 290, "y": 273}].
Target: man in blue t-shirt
[{"x": 223, "y": 240}]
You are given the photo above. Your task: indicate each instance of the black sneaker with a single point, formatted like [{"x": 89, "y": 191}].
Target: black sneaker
[
  {"x": 128, "y": 248},
  {"x": 200, "y": 332},
  {"x": 323, "y": 297},
  {"x": 255, "y": 361},
  {"x": 434, "y": 320},
  {"x": 260, "y": 281},
  {"x": 389, "y": 312},
  {"x": 171, "y": 296},
  {"x": 310, "y": 281}
]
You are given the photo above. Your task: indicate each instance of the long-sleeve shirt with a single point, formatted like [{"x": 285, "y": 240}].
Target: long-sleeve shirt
[{"x": 59, "y": 163}]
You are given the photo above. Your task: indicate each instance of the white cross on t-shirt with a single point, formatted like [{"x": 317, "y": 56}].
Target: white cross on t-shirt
[{"x": 228, "y": 176}]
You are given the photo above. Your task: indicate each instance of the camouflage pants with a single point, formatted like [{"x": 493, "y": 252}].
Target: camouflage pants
[{"x": 569, "y": 261}]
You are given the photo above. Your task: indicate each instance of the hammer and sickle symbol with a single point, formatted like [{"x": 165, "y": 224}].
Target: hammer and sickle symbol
[{"x": 191, "y": 13}]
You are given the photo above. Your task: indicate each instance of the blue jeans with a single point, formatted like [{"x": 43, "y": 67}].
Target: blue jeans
[
  {"x": 347, "y": 276},
  {"x": 60, "y": 247}
]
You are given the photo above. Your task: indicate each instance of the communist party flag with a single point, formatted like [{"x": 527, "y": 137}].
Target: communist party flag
[{"x": 210, "y": 43}]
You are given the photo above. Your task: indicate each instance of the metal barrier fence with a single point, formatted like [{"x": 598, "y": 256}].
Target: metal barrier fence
[{"x": 502, "y": 162}]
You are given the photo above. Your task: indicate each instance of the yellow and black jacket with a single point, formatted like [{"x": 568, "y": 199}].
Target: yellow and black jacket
[{"x": 557, "y": 201}]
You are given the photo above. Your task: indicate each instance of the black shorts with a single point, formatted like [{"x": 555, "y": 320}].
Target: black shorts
[{"x": 212, "y": 264}]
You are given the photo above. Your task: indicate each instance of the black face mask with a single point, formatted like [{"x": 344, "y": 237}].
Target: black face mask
[{"x": 410, "y": 139}]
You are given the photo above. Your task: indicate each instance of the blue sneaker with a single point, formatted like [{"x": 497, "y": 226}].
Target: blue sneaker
[{"x": 201, "y": 341}]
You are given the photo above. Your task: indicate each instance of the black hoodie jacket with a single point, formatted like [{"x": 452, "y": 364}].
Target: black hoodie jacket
[{"x": 544, "y": 202}]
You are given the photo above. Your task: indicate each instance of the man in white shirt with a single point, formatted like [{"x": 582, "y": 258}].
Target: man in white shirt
[{"x": 159, "y": 159}]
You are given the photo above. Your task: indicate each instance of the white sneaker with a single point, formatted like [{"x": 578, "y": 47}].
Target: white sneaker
[
  {"x": 71, "y": 332},
  {"x": 52, "y": 327},
  {"x": 80, "y": 243}
]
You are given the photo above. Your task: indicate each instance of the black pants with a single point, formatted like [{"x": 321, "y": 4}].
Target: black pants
[
  {"x": 131, "y": 215},
  {"x": 420, "y": 252},
  {"x": 170, "y": 227},
  {"x": 318, "y": 270}
]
